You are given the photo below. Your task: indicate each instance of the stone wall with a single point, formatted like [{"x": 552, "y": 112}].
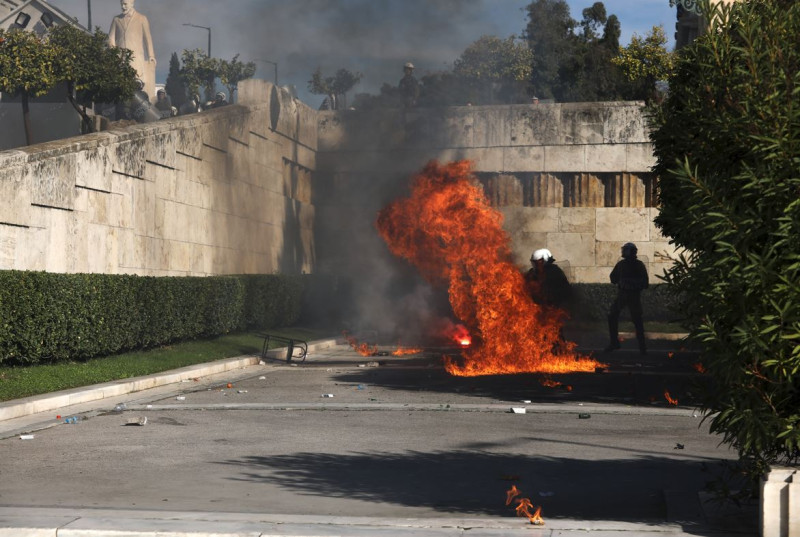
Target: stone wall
[
  {"x": 271, "y": 185},
  {"x": 573, "y": 178},
  {"x": 226, "y": 191}
]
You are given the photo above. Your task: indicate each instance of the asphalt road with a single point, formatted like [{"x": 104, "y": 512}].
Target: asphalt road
[{"x": 389, "y": 437}]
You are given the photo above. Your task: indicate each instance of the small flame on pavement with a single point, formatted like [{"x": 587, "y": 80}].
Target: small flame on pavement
[
  {"x": 361, "y": 348},
  {"x": 547, "y": 382},
  {"x": 511, "y": 494},
  {"x": 403, "y": 351},
  {"x": 670, "y": 400},
  {"x": 524, "y": 507},
  {"x": 699, "y": 367}
]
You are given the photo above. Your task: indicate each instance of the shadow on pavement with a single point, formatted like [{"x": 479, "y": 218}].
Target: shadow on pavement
[
  {"x": 629, "y": 380},
  {"x": 474, "y": 482}
]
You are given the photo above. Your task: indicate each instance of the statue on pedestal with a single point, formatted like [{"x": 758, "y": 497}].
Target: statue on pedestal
[{"x": 131, "y": 30}]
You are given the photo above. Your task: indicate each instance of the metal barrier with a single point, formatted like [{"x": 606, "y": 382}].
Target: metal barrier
[{"x": 291, "y": 345}]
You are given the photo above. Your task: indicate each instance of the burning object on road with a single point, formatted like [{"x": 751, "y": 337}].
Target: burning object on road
[{"x": 449, "y": 231}]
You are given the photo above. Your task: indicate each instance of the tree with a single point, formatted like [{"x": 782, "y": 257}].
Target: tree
[
  {"x": 496, "y": 65},
  {"x": 175, "y": 86},
  {"x": 333, "y": 86},
  {"x": 571, "y": 66},
  {"x": 232, "y": 72},
  {"x": 199, "y": 70},
  {"x": 727, "y": 142},
  {"x": 645, "y": 61},
  {"x": 551, "y": 38},
  {"x": 27, "y": 68},
  {"x": 593, "y": 18},
  {"x": 93, "y": 71}
]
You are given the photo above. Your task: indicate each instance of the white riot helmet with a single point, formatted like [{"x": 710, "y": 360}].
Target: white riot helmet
[{"x": 542, "y": 254}]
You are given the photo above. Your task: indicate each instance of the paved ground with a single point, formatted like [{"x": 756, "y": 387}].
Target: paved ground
[{"x": 346, "y": 445}]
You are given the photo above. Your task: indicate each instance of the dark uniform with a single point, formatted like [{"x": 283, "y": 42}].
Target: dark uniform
[
  {"x": 548, "y": 284},
  {"x": 630, "y": 277}
]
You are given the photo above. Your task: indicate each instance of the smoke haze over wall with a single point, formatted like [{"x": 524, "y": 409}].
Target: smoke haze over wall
[{"x": 374, "y": 37}]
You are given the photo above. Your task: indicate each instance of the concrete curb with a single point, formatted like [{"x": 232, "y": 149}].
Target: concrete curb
[
  {"x": 64, "y": 522},
  {"x": 52, "y": 401}
]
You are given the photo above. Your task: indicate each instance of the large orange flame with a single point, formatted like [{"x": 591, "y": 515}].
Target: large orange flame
[{"x": 448, "y": 229}]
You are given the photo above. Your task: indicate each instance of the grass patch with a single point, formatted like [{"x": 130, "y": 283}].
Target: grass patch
[{"x": 17, "y": 382}]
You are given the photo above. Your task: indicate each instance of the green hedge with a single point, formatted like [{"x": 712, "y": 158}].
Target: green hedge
[
  {"x": 592, "y": 300},
  {"x": 48, "y": 317}
]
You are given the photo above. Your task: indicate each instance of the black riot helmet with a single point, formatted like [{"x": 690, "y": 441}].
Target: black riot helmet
[{"x": 629, "y": 250}]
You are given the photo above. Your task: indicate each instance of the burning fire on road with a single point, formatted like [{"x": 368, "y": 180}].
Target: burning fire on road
[{"x": 450, "y": 232}]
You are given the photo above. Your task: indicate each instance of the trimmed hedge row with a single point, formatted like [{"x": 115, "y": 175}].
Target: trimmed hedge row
[
  {"x": 592, "y": 300},
  {"x": 48, "y": 317}
]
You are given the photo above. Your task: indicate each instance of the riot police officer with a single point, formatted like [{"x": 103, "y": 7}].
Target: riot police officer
[{"x": 630, "y": 277}]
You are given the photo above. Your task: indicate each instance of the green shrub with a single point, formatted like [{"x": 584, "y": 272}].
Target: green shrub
[
  {"x": 727, "y": 142},
  {"x": 47, "y": 317},
  {"x": 272, "y": 300},
  {"x": 592, "y": 301}
]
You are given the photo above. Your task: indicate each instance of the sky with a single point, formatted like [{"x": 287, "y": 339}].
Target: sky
[{"x": 372, "y": 37}]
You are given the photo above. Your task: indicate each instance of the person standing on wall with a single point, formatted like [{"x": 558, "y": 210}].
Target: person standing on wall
[
  {"x": 409, "y": 87},
  {"x": 630, "y": 277}
]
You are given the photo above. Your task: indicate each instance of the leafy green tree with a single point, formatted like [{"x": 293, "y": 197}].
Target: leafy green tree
[
  {"x": 333, "y": 86},
  {"x": 496, "y": 65},
  {"x": 27, "y": 68},
  {"x": 234, "y": 71},
  {"x": 175, "y": 86},
  {"x": 645, "y": 61},
  {"x": 199, "y": 71},
  {"x": 93, "y": 71},
  {"x": 572, "y": 65},
  {"x": 551, "y": 38},
  {"x": 727, "y": 142}
]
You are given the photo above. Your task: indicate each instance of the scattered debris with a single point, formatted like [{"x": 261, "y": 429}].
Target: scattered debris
[
  {"x": 518, "y": 410},
  {"x": 137, "y": 421},
  {"x": 181, "y": 398},
  {"x": 327, "y": 395},
  {"x": 373, "y": 364},
  {"x": 229, "y": 385},
  {"x": 148, "y": 406},
  {"x": 583, "y": 416},
  {"x": 26, "y": 437},
  {"x": 241, "y": 391},
  {"x": 359, "y": 365},
  {"x": 527, "y": 401},
  {"x": 120, "y": 407},
  {"x": 72, "y": 420},
  {"x": 360, "y": 387},
  {"x": 262, "y": 378},
  {"x": 678, "y": 446}
]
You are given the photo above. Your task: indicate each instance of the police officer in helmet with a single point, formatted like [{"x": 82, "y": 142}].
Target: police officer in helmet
[
  {"x": 630, "y": 277},
  {"x": 546, "y": 281}
]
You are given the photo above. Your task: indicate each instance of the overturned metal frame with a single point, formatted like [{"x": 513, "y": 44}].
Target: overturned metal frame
[{"x": 290, "y": 346}]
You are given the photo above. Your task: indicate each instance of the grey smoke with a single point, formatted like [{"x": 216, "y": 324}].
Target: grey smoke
[{"x": 374, "y": 37}]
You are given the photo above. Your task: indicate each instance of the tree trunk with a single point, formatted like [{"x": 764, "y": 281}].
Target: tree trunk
[
  {"x": 88, "y": 127},
  {"x": 26, "y": 119}
]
